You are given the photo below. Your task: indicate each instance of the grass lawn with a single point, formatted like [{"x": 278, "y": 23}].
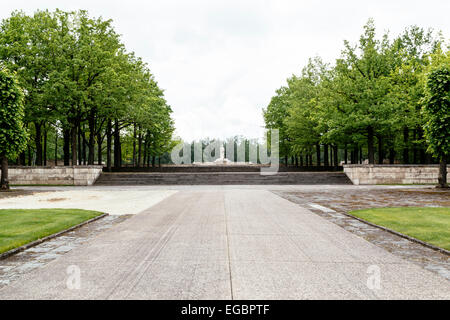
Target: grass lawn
[
  {"x": 431, "y": 225},
  {"x": 20, "y": 226}
]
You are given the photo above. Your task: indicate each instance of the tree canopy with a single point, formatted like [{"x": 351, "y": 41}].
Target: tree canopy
[
  {"x": 367, "y": 103},
  {"x": 82, "y": 85},
  {"x": 436, "y": 110},
  {"x": 12, "y": 132}
]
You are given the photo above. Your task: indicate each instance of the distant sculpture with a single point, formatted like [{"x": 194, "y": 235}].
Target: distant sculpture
[{"x": 222, "y": 159}]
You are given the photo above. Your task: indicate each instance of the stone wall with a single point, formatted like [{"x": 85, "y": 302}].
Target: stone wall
[
  {"x": 77, "y": 175},
  {"x": 392, "y": 174}
]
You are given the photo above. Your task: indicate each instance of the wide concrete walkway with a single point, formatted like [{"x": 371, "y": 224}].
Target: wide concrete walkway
[{"x": 228, "y": 244}]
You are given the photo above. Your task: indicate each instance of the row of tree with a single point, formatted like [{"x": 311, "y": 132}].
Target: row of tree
[
  {"x": 83, "y": 88},
  {"x": 370, "y": 101}
]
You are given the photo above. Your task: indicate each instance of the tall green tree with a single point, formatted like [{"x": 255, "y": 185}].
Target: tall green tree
[
  {"x": 275, "y": 115},
  {"x": 362, "y": 80},
  {"x": 302, "y": 125},
  {"x": 436, "y": 110},
  {"x": 410, "y": 58},
  {"x": 13, "y": 135},
  {"x": 25, "y": 48}
]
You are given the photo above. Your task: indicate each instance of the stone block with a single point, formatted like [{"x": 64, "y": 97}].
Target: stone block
[{"x": 392, "y": 174}]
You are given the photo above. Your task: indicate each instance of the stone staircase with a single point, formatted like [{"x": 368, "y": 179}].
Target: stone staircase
[{"x": 220, "y": 178}]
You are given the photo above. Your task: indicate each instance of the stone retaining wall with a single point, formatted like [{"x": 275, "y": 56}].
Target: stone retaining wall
[
  {"x": 76, "y": 175},
  {"x": 392, "y": 174}
]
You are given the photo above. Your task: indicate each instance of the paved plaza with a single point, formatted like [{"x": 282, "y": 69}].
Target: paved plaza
[{"x": 225, "y": 242}]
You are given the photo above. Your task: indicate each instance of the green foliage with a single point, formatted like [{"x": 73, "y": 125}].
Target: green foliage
[
  {"x": 12, "y": 133},
  {"x": 373, "y": 93},
  {"x": 436, "y": 109},
  {"x": 361, "y": 79},
  {"x": 77, "y": 77}
]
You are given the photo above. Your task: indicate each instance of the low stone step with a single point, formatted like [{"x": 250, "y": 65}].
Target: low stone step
[
  {"x": 221, "y": 168},
  {"x": 221, "y": 178}
]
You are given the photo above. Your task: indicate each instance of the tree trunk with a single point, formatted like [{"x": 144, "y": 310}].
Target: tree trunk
[
  {"x": 134, "y": 144},
  {"x": 29, "y": 155},
  {"x": 360, "y": 155},
  {"x": 301, "y": 160},
  {"x": 80, "y": 143},
  {"x": 74, "y": 144},
  {"x": 117, "y": 148},
  {"x": 45, "y": 146},
  {"x": 325, "y": 155},
  {"x": 345, "y": 154},
  {"x": 108, "y": 145},
  {"x": 99, "y": 148},
  {"x": 405, "y": 147},
  {"x": 442, "y": 179},
  {"x": 91, "y": 144},
  {"x": 370, "y": 144},
  {"x": 422, "y": 147},
  {"x": 429, "y": 158},
  {"x": 145, "y": 154},
  {"x": 66, "y": 146},
  {"x": 4, "y": 183},
  {"x": 22, "y": 158},
  {"x": 331, "y": 155},
  {"x": 38, "y": 142},
  {"x": 23, "y": 155},
  {"x": 414, "y": 146},
  {"x": 422, "y": 156},
  {"x": 391, "y": 155},
  {"x": 140, "y": 149},
  {"x": 318, "y": 154},
  {"x": 83, "y": 137},
  {"x": 380, "y": 150},
  {"x": 335, "y": 156},
  {"x": 153, "y": 161},
  {"x": 56, "y": 147}
]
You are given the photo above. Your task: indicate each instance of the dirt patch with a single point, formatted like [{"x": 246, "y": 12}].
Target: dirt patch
[
  {"x": 55, "y": 199},
  {"x": 17, "y": 193}
]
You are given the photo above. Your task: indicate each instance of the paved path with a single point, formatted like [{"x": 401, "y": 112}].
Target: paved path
[{"x": 228, "y": 244}]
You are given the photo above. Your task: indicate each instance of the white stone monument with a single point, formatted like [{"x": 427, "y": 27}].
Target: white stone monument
[{"x": 222, "y": 159}]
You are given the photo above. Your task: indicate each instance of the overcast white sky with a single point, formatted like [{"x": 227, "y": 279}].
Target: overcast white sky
[{"x": 219, "y": 62}]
